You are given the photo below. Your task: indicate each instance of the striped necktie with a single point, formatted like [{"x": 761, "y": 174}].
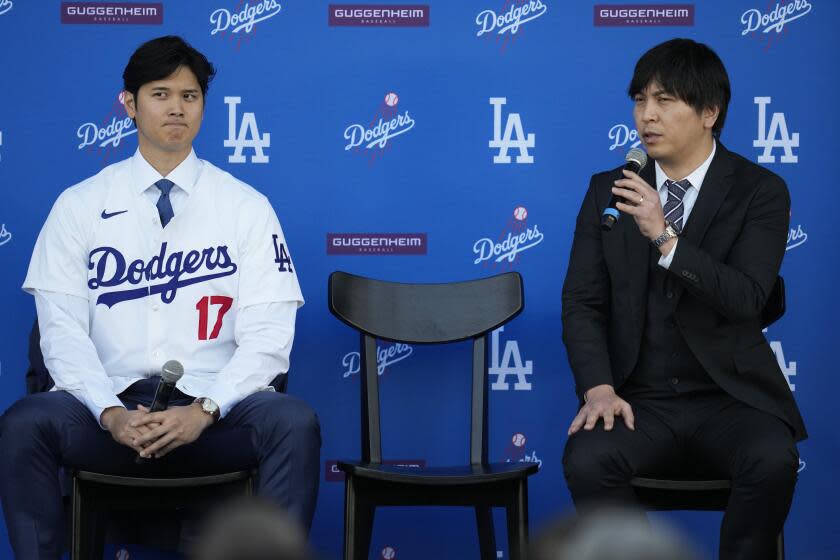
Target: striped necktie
[
  {"x": 163, "y": 205},
  {"x": 674, "y": 208}
]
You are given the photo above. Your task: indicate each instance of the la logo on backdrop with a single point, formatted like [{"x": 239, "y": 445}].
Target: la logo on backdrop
[
  {"x": 514, "y": 136},
  {"x": 239, "y": 23},
  {"x": 105, "y": 137},
  {"x": 776, "y": 136},
  {"x": 247, "y": 136},
  {"x": 506, "y": 25},
  {"x": 373, "y": 139}
]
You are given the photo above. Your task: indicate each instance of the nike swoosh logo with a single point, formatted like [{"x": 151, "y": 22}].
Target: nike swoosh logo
[{"x": 106, "y": 215}]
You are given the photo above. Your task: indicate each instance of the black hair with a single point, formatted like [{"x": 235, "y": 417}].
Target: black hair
[
  {"x": 690, "y": 71},
  {"x": 159, "y": 58}
]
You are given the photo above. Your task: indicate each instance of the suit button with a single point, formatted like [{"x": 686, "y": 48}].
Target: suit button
[
  {"x": 674, "y": 355},
  {"x": 669, "y": 295},
  {"x": 674, "y": 381},
  {"x": 686, "y": 273}
]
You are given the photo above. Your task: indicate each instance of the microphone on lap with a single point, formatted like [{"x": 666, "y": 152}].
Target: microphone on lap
[
  {"x": 635, "y": 161},
  {"x": 170, "y": 373}
]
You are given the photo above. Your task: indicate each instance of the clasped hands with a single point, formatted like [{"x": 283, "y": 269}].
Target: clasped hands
[{"x": 154, "y": 434}]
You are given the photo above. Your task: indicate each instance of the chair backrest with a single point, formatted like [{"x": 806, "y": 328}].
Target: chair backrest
[{"x": 424, "y": 314}]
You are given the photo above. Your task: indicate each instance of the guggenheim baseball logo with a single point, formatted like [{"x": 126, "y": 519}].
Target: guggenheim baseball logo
[
  {"x": 378, "y": 15},
  {"x": 377, "y": 244},
  {"x": 642, "y": 15},
  {"x": 112, "y": 13}
]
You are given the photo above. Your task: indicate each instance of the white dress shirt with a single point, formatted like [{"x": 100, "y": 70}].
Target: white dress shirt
[{"x": 696, "y": 179}]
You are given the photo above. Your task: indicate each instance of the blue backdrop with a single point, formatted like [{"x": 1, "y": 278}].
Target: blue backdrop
[{"x": 297, "y": 77}]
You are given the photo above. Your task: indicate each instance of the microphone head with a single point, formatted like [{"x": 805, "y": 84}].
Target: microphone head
[
  {"x": 637, "y": 156},
  {"x": 171, "y": 371}
]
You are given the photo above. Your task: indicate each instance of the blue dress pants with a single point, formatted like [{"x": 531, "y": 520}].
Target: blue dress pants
[{"x": 276, "y": 433}]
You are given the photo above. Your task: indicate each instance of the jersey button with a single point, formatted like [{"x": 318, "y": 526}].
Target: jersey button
[{"x": 155, "y": 307}]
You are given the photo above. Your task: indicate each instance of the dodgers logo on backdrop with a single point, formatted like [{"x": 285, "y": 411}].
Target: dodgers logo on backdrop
[
  {"x": 621, "y": 135},
  {"x": 509, "y": 20},
  {"x": 1, "y": 144},
  {"x": 175, "y": 270},
  {"x": 5, "y": 236},
  {"x": 788, "y": 368},
  {"x": 508, "y": 364},
  {"x": 516, "y": 237},
  {"x": 757, "y": 22},
  {"x": 5, "y": 6},
  {"x": 776, "y": 137},
  {"x": 514, "y": 135},
  {"x": 108, "y": 135},
  {"x": 517, "y": 453},
  {"x": 388, "y": 553},
  {"x": 385, "y": 356},
  {"x": 796, "y": 237},
  {"x": 248, "y": 136},
  {"x": 333, "y": 474},
  {"x": 372, "y": 140},
  {"x": 801, "y": 466},
  {"x": 242, "y": 19}
]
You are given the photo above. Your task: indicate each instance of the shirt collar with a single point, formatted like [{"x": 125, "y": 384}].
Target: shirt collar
[
  {"x": 695, "y": 177},
  {"x": 184, "y": 176}
]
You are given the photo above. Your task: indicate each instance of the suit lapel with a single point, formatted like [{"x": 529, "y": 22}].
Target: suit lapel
[
  {"x": 719, "y": 179},
  {"x": 638, "y": 247}
]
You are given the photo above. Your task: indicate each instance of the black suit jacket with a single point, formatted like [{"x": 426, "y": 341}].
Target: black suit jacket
[{"x": 726, "y": 263}]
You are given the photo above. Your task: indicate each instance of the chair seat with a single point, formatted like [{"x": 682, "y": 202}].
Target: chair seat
[
  {"x": 144, "y": 482},
  {"x": 440, "y": 476},
  {"x": 681, "y": 484}
]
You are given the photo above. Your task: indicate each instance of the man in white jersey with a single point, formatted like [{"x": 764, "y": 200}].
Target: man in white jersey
[{"x": 159, "y": 257}]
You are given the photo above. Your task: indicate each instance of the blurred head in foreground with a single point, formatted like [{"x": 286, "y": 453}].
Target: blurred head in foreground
[
  {"x": 252, "y": 530},
  {"x": 609, "y": 534}
]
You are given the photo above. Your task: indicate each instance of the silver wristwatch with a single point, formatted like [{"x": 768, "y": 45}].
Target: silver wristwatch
[
  {"x": 208, "y": 406},
  {"x": 669, "y": 233}
]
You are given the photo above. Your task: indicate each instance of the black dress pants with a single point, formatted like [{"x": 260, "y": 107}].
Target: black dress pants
[{"x": 711, "y": 435}]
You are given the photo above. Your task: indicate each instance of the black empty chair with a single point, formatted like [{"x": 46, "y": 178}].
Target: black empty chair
[
  {"x": 430, "y": 314},
  {"x": 693, "y": 492}
]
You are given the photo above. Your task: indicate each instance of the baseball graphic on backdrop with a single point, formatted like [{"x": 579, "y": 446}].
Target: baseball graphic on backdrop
[
  {"x": 388, "y": 553},
  {"x": 520, "y": 213},
  {"x": 391, "y": 99},
  {"x": 518, "y": 440}
]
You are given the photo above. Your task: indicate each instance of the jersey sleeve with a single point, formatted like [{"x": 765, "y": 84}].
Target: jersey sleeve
[
  {"x": 267, "y": 273},
  {"x": 59, "y": 260}
]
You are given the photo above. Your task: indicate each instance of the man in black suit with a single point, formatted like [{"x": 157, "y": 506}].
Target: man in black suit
[{"x": 662, "y": 315}]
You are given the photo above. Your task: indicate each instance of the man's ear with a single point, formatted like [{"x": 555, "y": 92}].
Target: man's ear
[
  {"x": 130, "y": 104},
  {"x": 710, "y": 116}
]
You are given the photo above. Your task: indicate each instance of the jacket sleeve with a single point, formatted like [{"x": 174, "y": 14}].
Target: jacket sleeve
[
  {"x": 586, "y": 300},
  {"x": 738, "y": 287}
]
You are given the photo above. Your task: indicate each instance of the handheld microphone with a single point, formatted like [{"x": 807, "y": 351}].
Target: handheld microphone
[
  {"x": 635, "y": 161},
  {"x": 170, "y": 373}
]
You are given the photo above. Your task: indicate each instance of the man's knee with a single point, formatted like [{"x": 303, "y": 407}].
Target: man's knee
[
  {"x": 25, "y": 422},
  {"x": 767, "y": 461},
  {"x": 287, "y": 415},
  {"x": 590, "y": 458}
]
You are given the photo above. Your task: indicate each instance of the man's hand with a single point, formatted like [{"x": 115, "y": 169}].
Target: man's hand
[
  {"x": 642, "y": 202},
  {"x": 119, "y": 420},
  {"x": 173, "y": 428},
  {"x": 602, "y": 402}
]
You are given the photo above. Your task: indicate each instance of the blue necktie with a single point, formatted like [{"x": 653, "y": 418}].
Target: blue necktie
[
  {"x": 163, "y": 205},
  {"x": 674, "y": 208}
]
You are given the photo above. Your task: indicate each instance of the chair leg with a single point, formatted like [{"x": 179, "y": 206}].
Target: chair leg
[
  {"x": 517, "y": 521},
  {"x": 486, "y": 532},
  {"x": 86, "y": 532},
  {"x": 780, "y": 546},
  {"x": 358, "y": 523}
]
